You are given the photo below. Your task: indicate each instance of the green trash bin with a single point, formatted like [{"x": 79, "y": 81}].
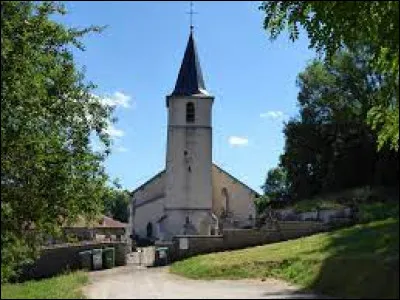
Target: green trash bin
[
  {"x": 97, "y": 259},
  {"x": 109, "y": 257},
  {"x": 161, "y": 256},
  {"x": 85, "y": 258}
]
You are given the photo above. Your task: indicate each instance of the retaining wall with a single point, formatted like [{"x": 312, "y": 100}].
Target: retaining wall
[
  {"x": 59, "y": 258},
  {"x": 239, "y": 238}
]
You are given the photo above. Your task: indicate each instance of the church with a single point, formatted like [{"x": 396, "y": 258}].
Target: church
[{"x": 192, "y": 195}]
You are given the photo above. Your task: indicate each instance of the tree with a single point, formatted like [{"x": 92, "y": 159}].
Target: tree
[
  {"x": 360, "y": 26},
  {"x": 49, "y": 173},
  {"x": 276, "y": 186},
  {"x": 262, "y": 203},
  {"x": 116, "y": 202},
  {"x": 329, "y": 147}
]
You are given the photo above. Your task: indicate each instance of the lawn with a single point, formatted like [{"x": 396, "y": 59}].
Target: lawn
[
  {"x": 61, "y": 287},
  {"x": 357, "y": 262}
]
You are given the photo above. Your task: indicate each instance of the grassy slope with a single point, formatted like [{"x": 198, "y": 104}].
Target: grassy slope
[
  {"x": 60, "y": 287},
  {"x": 361, "y": 261}
]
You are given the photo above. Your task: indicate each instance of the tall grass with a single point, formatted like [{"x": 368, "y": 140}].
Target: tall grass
[{"x": 66, "y": 286}]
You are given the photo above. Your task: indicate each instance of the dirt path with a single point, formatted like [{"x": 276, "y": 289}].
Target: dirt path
[{"x": 132, "y": 282}]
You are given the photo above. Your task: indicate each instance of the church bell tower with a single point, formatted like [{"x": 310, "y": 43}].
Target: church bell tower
[{"x": 188, "y": 202}]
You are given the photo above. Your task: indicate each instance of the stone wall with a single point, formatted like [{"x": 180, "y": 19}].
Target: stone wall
[
  {"x": 198, "y": 244},
  {"x": 239, "y": 238},
  {"x": 63, "y": 257},
  {"x": 98, "y": 234},
  {"x": 322, "y": 215},
  {"x": 242, "y": 238}
]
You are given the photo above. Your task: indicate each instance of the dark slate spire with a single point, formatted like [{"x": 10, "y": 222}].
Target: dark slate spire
[{"x": 190, "y": 79}]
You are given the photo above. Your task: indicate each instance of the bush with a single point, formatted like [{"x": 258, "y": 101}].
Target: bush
[{"x": 377, "y": 211}]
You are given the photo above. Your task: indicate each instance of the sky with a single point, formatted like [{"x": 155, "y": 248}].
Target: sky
[{"x": 135, "y": 63}]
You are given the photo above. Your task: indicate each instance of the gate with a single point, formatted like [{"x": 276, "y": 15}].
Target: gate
[{"x": 143, "y": 256}]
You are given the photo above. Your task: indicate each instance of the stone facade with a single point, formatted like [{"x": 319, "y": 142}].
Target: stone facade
[
  {"x": 148, "y": 206},
  {"x": 188, "y": 190},
  {"x": 233, "y": 201}
]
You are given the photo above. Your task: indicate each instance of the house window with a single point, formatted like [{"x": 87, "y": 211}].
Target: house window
[{"x": 190, "y": 112}]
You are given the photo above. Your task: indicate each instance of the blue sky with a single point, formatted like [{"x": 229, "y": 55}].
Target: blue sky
[{"x": 135, "y": 63}]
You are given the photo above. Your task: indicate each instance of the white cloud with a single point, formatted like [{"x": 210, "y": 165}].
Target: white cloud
[
  {"x": 238, "y": 141},
  {"x": 116, "y": 99},
  {"x": 272, "y": 114},
  {"x": 113, "y": 132}
]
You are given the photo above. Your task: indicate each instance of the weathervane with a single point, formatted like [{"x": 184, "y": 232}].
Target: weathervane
[{"x": 191, "y": 13}]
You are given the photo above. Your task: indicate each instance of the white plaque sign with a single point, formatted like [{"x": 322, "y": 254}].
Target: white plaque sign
[{"x": 183, "y": 243}]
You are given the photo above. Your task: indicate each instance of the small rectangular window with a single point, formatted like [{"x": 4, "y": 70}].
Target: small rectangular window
[{"x": 190, "y": 115}]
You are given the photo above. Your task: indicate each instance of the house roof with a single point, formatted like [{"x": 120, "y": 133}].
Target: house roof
[
  {"x": 190, "y": 79},
  {"x": 108, "y": 222}
]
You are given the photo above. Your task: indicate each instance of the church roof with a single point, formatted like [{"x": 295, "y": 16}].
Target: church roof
[{"x": 190, "y": 79}]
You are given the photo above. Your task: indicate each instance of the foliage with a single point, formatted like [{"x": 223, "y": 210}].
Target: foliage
[
  {"x": 276, "y": 191},
  {"x": 371, "y": 204},
  {"x": 262, "y": 203},
  {"x": 116, "y": 203},
  {"x": 368, "y": 212},
  {"x": 329, "y": 147},
  {"x": 356, "y": 262},
  {"x": 276, "y": 185},
  {"x": 48, "y": 169},
  {"x": 359, "y": 26},
  {"x": 315, "y": 204},
  {"x": 61, "y": 287}
]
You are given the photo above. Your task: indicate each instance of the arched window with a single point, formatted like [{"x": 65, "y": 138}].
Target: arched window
[
  {"x": 190, "y": 112},
  {"x": 226, "y": 203}
]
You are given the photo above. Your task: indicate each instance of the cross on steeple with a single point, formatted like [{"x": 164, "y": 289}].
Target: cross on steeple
[{"x": 191, "y": 13}]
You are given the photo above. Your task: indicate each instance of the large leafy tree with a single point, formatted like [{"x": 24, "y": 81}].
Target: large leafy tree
[
  {"x": 276, "y": 185},
  {"x": 329, "y": 147},
  {"x": 116, "y": 202},
  {"x": 276, "y": 190},
  {"x": 49, "y": 173},
  {"x": 371, "y": 27}
]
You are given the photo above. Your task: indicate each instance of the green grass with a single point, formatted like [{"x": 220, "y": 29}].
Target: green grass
[
  {"x": 61, "y": 287},
  {"x": 356, "y": 262}
]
